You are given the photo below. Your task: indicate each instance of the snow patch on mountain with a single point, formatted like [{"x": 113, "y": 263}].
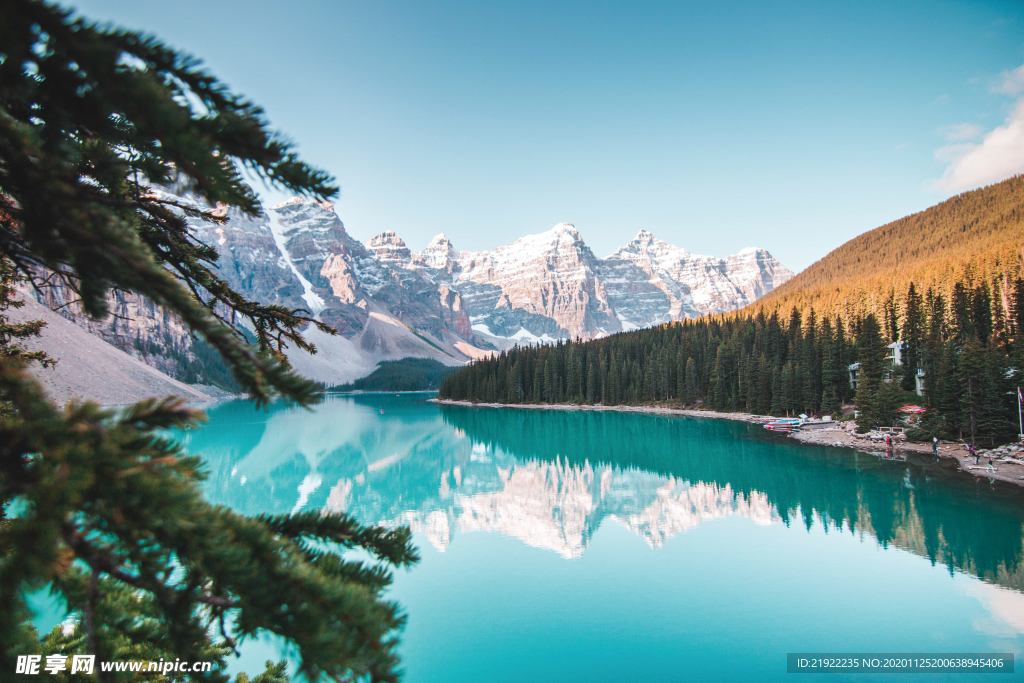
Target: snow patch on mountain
[
  {"x": 626, "y": 325},
  {"x": 389, "y": 302},
  {"x": 313, "y": 300}
]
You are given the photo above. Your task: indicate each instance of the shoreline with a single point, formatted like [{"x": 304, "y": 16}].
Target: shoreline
[{"x": 838, "y": 436}]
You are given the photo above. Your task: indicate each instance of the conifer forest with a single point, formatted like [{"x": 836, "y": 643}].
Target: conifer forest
[{"x": 968, "y": 341}]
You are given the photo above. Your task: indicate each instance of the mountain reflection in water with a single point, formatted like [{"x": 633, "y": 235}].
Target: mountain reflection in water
[{"x": 551, "y": 478}]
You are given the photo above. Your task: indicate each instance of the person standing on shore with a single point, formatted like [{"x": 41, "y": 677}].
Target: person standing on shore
[
  {"x": 971, "y": 450},
  {"x": 935, "y": 447}
]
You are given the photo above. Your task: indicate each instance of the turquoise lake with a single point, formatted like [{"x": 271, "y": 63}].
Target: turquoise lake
[{"x": 602, "y": 546}]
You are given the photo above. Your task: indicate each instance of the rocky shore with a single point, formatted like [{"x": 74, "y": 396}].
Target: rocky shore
[{"x": 1007, "y": 461}]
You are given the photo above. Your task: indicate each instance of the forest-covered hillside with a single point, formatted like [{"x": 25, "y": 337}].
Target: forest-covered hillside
[
  {"x": 946, "y": 283},
  {"x": 977, "y": 235},
  {"x": 406, "y": 374}
]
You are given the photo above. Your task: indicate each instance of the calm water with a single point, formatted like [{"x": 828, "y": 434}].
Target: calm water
[{"x": 565, "y": 546}]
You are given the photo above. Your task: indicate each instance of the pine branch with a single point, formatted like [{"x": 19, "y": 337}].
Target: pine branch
[{"x": 392, "y": 545}]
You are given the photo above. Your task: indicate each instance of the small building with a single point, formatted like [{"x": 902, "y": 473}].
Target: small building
[{"x": 895, "y": 356}]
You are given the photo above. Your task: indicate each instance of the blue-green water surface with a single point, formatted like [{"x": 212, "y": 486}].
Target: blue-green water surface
[{"x": 605, "y": 546}]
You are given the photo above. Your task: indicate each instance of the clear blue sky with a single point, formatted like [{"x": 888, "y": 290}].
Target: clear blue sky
[{"x": 792, "y": 126}]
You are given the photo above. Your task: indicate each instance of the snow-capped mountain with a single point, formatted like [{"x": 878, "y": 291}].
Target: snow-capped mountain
[
  {"x": 539, "y": 285},
  {"x": 551, "y": 285},
  {"x": 382, "y": 308},
  {"x": 691, "y": 285},
  {"x": 388, "y": 301}
]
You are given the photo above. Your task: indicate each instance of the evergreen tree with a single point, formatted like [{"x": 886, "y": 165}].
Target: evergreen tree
[
  {"x": 892, "y": 330},
  {"x": 960, "y": 312},
  {"x": 550, "y": 386},
  {"x": 1017, "y": 310},
  {"x": 92, "y": 119},
  {"x": 999, "y": 404},
  {"x": 948, "y": 389},
  {"x": 912, "y": 336},
  {"x": 844, "y": 353},
  {"x": 981, "y": 313},
  {"x": 884, "y": 404},
  {"x": 756, "y": 363},
  {"x": 1000, "y": 336},
  {"x": 692, "y": 383},
  {"x": 786, "y": 390},
  {"x": 972, "y": 382},
  {"x": 871, "y": 355},
  {"x": 762, "y": 400},
  {"x": 538, "y": 381},
  {"x": 11, "y": 334},
  {"x": 591, "y": 383},
  {"x": 1017, "y": 328},
  {"x": 831, "y": 371},
  {"x": 934, "y": 347}
]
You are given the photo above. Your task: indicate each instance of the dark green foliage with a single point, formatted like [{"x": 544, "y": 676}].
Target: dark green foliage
[
  {"x": 91, "y": 118},
  {"x": 12, "y": 333},
  {"x": 206, "y": 366},
  {"x": 753, "y": 364},
  {"x": 757, "y": 364},
  {"x": 1016, "y": 325},
  {"x": 407, "y": 374},
  {"x": 132, "y": 517},
  {"x": 102, "y": 508},
  {"x": 913, "y": 334},
  {"x": 201, "y": 364},
  {"x": 846, "y": 493},
  {"x": 871, "y": 352}
]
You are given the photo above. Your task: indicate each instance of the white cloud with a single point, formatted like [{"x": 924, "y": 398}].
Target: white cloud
[
  {"x": 961, "y": 131},
  {"x": 997, "y": 157},
  {"x": 953, "y": 153},
  {"x": 1011, "y": 82}
]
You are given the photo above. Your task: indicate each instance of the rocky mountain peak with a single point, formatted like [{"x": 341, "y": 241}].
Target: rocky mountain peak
[
  {"x": 440, "y": 254},
  {"x": 565, "y": 231},
  {"x": 386, "y": 237},
  {"x": 301, "y": 215},
  {"x": 561, "y": 241},
  {"x": 304, "y": 202},
  {"x": 390, "y": 249},
  {"x": 647, "y": 247},
  {"x": 441, "y": 302}
]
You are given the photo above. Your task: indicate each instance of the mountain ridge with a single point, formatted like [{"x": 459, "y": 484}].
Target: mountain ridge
[
  {"x": 389, "y": 302},
  {"x": 463, "y": 304}
]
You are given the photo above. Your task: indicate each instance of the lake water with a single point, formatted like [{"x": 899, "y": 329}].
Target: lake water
[{"x": 584, "y": 546}]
